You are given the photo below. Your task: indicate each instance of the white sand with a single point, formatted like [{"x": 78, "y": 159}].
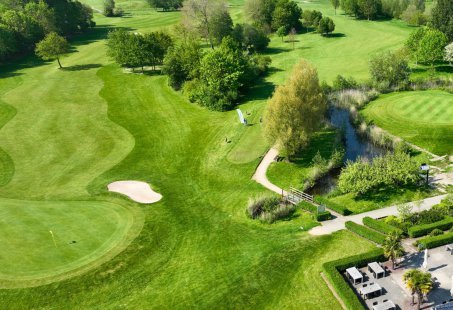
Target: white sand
[{"x": 135, "y": 190}]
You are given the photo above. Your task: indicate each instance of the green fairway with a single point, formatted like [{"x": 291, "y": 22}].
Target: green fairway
[
  {"x": 424, "y": 118},
  {"x": 66, "y": 134}
]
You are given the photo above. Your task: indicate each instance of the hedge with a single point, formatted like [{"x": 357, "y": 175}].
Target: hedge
[
  {"x": 425, "y": 229},
  {"x": 322, "y": 216},
  {"x": 332, "y": 205},
  {"x": 436, "y": 241},
  {"x": 333, "y": 271},
  {"x": 365, "y": 232},
  {"x": 380, "y": 226}
]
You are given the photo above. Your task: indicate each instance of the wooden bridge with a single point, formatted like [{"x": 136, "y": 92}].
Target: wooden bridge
[{"x": 295, "y": 196}]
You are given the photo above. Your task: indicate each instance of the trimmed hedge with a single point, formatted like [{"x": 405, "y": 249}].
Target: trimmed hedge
[
  {"x": 365, "y": 232},
  {"x": 323, "y": 216},
  {"x": 436, "y": 241},
  {"x": 380, "y": 226},
  {"x": 332, "y": 205},
  {"x": 333, "y": 271},
  {"x": 425, "y": 229}
]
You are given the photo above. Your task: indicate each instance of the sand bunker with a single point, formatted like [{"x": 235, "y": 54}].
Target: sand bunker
[{"x": 135, "y": 190}]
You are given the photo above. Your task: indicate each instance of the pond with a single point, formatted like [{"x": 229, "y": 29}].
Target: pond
[{"x": 355, "y": 146}]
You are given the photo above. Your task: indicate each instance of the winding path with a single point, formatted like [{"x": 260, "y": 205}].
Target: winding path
[{"x": 338, "y": 223}]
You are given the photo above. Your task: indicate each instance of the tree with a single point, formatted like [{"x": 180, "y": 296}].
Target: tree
[
  {"x": 442, "y": 17},
  {"x": 431, "y": 47},
  {"x": 335, "y": 4},
  {"x": 281, "y": 32},
  {"x": 350, "y": 7},
  {"x": 182, "y": 63},
  {"x": 221, "y": 25},
  {"x": 296, "y": 110},
  {"x": 254, "y": 39},
  {"x": 287, "y": 13},
  {"x": 165, "y": 5},
  {"x": 449, "y": 53},
  {"x": 198, "y": 14},
  {"x": 52, "y": 47},
  {"x": 391, "y": 68},
  {"x": 413, "y": 16},
  {"x": 109, "y": 7},
  {"x": 8, "y": 43},
  {"x": 393, "y": 249},
  {"x": 369, "y": 8},
  {"x": 292, "y": 36},
  {"x": 260, "y": 11},
  {"x": 413, "y": 42},
  {"x": 311, "y": 18},
  {"x": 326, "y": 26},
  {"x": 419, "y": 282}
]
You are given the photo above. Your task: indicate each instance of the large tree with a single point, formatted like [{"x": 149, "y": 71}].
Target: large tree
[
  {"x": 260, "y": 11},
  {"x": 419, "y": 283},
  {"x": 442, "y": 17},
  {"x": 335, "y": 4},
  {"x": 326, "y": 26},
  {"x": 198, "y": 16},
  {"x": 368, "y": 8},
  {"x": 431, "y": 47},
  {"x": 221, "y": 25},
  {"x": 296, "y": 110},
  {"x": 287, "y": 14},
  {"x": 393, "y": 249},
  {"x": 413, "y": 42},
  {"x": 52, "y": 47}
]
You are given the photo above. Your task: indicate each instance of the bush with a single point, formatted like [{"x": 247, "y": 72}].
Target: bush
[
  {"x": 332, "y": 205},
  {"x": 365, "y": 232},
  {"x": 423, "y": 230},
  {"x": 323, "y": 216},
  {"x": 436, "y": 232},
  {"x": 434, "y": 242},
  {"x": 342, "y": 83},
  {"x": 380, "y": 226},
  {"x": 268, "y": 209},
  {"x": 333, "y": 271}
]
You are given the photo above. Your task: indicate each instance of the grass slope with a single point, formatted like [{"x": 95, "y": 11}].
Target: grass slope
[{"x": 424, "y": 118}]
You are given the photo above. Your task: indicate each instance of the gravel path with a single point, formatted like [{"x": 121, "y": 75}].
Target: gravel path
[{"x": 260, "y": 173}]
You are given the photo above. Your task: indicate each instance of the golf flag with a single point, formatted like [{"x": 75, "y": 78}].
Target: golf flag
[{"x": 241, "y": 116}]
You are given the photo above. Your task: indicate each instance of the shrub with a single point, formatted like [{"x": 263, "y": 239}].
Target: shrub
[
  {"x": 365, "y": 232},
  {"x": 333, "y": 271},
  {"x": 268, "y": 209},
  {"x": 434, "y": 242},
  {"x": 436, "y": 232},
  {"x": 424, "y": 229},
  {"x": 380, "y": 226},
  {"x": 342, "y": 83},
  {"x": 323, "y": 216},
  {"x": 332, "y": 205}
]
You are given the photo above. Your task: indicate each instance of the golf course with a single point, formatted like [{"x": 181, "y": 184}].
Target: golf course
[
  {"x": 66, "y": 134},
  {"x": 430, "y": 114}
]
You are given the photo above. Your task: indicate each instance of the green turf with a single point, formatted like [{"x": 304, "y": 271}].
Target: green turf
[
  {"x": 70, "y": 132},
  {"x": 424, "y": 118},
  {"x": 294, "y": 173}
]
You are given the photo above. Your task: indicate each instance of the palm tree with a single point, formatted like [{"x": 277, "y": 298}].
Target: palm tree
[
  {"x": 419, "y": 283},
  {"x": 393, "y": 249}
]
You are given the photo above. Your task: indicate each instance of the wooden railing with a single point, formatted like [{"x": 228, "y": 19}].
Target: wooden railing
[{"x": 295, "y": 196}]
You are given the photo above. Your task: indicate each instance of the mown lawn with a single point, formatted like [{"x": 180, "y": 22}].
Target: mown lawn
[
  {"x": 424, "y": 118},
  {"x": 65, "y": 134}
]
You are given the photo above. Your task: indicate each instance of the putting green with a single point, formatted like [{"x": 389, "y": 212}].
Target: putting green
[
  {"x": 424, "y": 118},
  {"x": 60, "y": 239}
]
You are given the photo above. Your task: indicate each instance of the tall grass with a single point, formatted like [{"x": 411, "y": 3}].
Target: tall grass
[{"x": 269, "y": 209}]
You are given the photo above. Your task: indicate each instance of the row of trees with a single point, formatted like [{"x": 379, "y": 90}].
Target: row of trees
[
  {"x": 273, "y": 14},
  {"x": 166, "y": 5},
  {"x": 314, "y": 19},
  {"x": 24, "y": 23},
  {"x": 138, "y": 50},
  {"x": 390, "y": 170}
]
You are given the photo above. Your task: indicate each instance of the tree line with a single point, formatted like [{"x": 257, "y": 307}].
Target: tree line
[{"x": 24, "y": 23}]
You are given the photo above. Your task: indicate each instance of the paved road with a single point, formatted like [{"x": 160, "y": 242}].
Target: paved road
[
  {"x": 336, "y": 224},
  {"x": 260, "y": 173}
]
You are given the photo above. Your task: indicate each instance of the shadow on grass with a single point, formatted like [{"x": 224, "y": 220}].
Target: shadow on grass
[
  {"x": 276, "y": 50},
  {"x": 82, "y": 67},
  {"x": 336, "y": 35},
  {"x": 385, "y": 193}
]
